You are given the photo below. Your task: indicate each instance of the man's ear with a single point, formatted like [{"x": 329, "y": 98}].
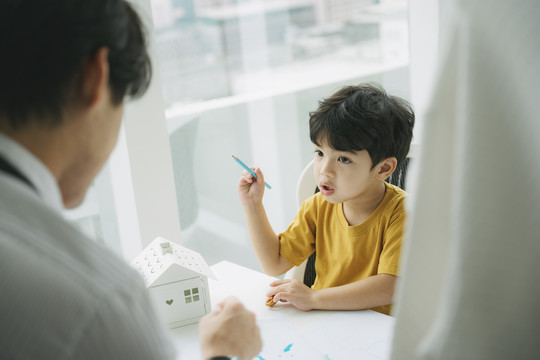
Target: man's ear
[
  {"x": 385, "y": 168},
  {"x": 95, "y": 79}
]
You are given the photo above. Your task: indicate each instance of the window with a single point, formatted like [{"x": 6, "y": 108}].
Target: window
[
  {"x": 239, "y": 77},
  {"x": 191, "y": 295},
  {"x": 236, "y": 77}
]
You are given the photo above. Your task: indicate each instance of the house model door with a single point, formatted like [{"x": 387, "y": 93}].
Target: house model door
[{"x": 180, "y": 303}]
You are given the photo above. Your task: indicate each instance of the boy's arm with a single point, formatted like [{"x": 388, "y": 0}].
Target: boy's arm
[
  {"x": 264, "y": 239},
  {"x": 373, "y": 291}
]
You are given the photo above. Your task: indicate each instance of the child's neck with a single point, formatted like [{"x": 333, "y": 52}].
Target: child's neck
[{"x": 358, "y": 210}]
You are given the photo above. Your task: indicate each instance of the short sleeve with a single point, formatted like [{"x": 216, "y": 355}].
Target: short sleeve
[{"x": 297, "y": 243}]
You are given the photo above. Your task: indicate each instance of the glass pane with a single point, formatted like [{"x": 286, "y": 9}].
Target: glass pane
[
  {"x": 240, "y": 77},
  {"x": 211, "y": 49}
]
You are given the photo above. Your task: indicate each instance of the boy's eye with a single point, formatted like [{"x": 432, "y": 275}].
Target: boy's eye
[
  {"x": 319, "y": 153},
  {"x": 344, "y": 160}
]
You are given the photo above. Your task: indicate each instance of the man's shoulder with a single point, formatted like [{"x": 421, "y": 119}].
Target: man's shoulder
[
  {"x": 66, "y": 260},
  {"x": 39, "y": 243},
  {"x": 57, "y": 281}
]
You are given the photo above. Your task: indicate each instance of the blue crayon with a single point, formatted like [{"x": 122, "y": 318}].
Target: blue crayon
[{"x": 248, "y": 169}]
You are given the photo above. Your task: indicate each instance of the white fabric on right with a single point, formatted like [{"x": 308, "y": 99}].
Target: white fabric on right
[{"x": 471, "y": 269}]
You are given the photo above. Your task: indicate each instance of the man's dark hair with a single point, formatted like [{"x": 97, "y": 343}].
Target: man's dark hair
[
  {"x": 45, "y": 44},
  {"x": 364, "y": 117}
]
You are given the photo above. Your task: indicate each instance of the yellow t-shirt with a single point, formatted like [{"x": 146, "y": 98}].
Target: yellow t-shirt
[{"x": 346, "y": 254}]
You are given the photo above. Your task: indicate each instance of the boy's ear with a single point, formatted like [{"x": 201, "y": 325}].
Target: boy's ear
[{"x": 385, "y": 168}]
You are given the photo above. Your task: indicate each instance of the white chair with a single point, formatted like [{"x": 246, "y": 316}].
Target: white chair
[{"x": 305, "y": 187}]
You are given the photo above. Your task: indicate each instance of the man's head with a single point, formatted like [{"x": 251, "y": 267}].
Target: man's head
[
  {"x": 66, "y": 68},
  {"x": 364, "y": 117},
  {"x": 45, "y": 45}
]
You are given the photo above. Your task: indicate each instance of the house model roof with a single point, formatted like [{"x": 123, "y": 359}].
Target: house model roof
[{"x": 163, "y": 256}]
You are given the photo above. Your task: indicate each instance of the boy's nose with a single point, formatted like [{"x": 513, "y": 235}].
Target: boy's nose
[{"x": 327, "y": 169}]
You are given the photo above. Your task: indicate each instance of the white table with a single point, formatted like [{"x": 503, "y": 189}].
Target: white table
[{"x": 289, "y": 333}]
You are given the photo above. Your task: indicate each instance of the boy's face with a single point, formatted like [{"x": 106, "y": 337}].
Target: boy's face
[{"x": 344, "y": 176}]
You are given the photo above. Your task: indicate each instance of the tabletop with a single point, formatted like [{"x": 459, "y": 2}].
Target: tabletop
[{"x": 289, "y": 333}]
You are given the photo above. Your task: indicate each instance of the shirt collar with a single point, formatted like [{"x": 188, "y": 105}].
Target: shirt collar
[{"x": 38, "y": 174}]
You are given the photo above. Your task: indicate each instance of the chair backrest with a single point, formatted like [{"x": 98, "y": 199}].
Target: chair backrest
[
  {"x": 306, "y": 185},
  {"x": 305, "y": 188}
]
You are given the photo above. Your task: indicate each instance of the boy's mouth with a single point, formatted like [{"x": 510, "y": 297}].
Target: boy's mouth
[{"x": 326, "y": 190}]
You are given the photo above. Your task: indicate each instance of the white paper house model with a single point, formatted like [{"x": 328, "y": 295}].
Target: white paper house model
[{"x": 177, "y": 281}]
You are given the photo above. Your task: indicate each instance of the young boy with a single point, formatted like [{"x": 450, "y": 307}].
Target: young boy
[{"x": 355, "y": 223}]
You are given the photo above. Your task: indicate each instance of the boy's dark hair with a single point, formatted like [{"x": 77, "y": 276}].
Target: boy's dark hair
[
  {"x": 45, "y": 44},
  {"x": 364, "y": 117}
]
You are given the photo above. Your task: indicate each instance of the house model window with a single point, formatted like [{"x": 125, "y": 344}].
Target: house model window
[{"x": 192, "y": 295}]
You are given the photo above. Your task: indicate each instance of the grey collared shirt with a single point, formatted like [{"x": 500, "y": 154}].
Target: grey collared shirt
[{"x": 64, "y": 296}]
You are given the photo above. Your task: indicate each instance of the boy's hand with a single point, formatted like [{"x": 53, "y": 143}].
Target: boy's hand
[
  {"x": 251, "y": 189},
  {"x": 293, "y": 292},
  {"x": 230, "y": 330}
]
